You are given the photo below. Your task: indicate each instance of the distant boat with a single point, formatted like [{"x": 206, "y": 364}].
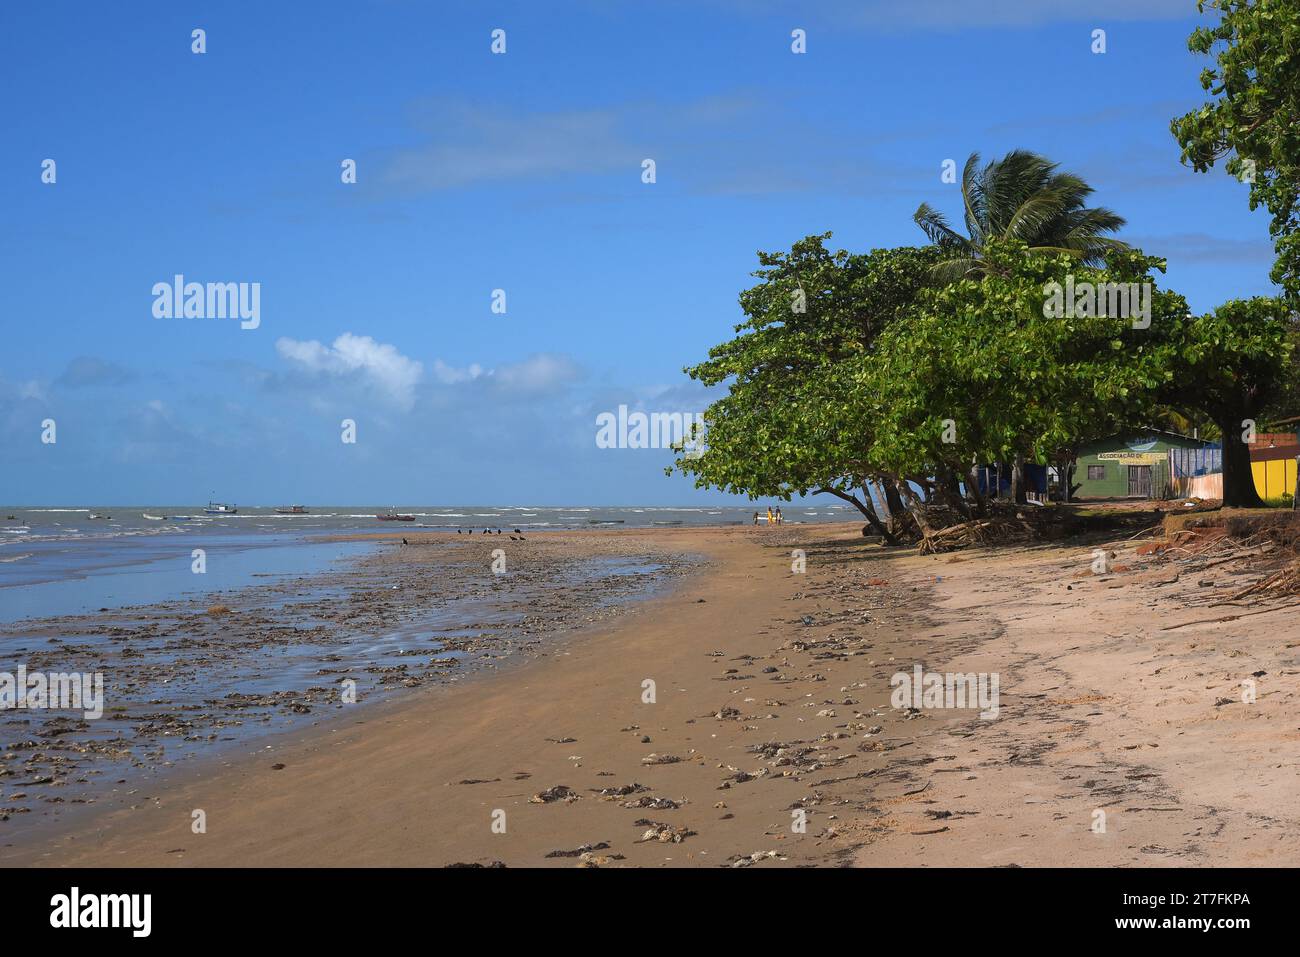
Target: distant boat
[
  {"x": 153, "y": 518},
  {"x": 218, "y": 508},
  {"x": 95, "y": 517},
  {"x": 393, "y": 517},
  {"x": 291, "y": 510}
]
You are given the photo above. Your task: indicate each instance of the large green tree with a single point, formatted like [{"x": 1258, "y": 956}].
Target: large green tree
[
  {"x": 985, "y": 372},
  {"x": 791, "y": 421},
  {"x": 1022, "y": 197},
  {"x": 1254, "y": 113},
  {"x": 1233, "y": 364}
]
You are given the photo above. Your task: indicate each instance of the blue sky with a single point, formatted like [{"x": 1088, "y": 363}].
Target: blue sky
[{"x": 519, "y": 172}]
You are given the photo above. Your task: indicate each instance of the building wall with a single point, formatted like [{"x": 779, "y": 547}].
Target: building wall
[
  {"x": 1151, "y": 447},
  {"x": 1274, "y": 471}
]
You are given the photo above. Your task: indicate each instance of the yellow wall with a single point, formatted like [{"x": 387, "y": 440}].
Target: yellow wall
[{"x": 1274, "y": 478}]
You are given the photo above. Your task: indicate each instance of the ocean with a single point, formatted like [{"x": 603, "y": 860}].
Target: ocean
[{"x": 62, "y": 561}]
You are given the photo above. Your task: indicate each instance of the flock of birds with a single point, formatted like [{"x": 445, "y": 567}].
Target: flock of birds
[{"x": 486, "y": 531}]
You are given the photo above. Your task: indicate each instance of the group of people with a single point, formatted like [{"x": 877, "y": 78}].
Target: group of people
[{"x": 773, "y": 518}]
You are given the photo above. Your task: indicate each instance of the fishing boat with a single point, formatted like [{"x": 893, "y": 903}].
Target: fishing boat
[
  {"x": 291, "y": 510},
  {"x": 219, "y": 508},
  {"x": 153, "y": 518},
  {"x": 394, "y": 517},
  {"x": 99, "y": 518}
]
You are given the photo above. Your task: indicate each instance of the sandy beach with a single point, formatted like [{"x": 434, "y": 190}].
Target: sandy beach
[{"x": 771, "y": 705}]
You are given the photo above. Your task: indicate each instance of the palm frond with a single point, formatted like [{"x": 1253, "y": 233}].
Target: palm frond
[{"x": 935, "y": 226}]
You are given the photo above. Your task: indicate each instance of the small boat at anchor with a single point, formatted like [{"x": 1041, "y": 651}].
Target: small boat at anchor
[
  {"x": 220, "y": 508},
  {"x": 291, "y": 510},
  {"x": 394, "y": 517}
]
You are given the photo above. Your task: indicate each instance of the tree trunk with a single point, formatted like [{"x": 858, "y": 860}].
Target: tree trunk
[
  {"x": 949, "y": 489},
  {"x": 1018, "y": 480},
  {"x": 868, "y": 512},
  {"x": 915, "y": 507},
  {"x": 973, "y": 490},
  {"x": 874, "y": 490},
  {"x": 896, "y": 507},
  {"x": 1238, "y": 480}
]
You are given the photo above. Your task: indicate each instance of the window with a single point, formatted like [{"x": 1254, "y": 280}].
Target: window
[{"x": 1096, "y": 473}]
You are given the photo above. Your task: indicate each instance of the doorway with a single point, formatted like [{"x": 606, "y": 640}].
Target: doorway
[{"x": 1139, "y": 481}]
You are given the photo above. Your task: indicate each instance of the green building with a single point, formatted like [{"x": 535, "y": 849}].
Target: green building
[{"x": 1128, "y": 465}]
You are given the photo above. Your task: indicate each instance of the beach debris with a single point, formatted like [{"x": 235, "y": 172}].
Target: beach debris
[
  {"x": 748, "y": 860},
  {"x": 654, "y": 803},
  {"x": 598, "y": 860},
  {"x": 558, "y": 793},
  {"x": 663, "y": 833},
  {"x": 494, "y": 864},
  {"x": 622, "y": 790},
  {"x": 277, "y": 767},
  {"x": 216, "y": 610},
  {"x": 660, "y": 759},
  {"x": 562, "y": 740},
  {"x": 579, "y": 851}
]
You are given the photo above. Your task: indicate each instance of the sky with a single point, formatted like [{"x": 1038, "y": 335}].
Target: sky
[{"x": 519, "y": 171}]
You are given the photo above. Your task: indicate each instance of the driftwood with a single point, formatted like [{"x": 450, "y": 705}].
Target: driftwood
[{"x": 981, "y": 532}]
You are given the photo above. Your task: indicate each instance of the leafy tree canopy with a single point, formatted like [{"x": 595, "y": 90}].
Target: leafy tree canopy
[{"x": 1254, "y": 112}]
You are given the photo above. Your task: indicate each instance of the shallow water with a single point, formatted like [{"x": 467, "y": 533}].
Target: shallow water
[{"x": 69, "y": 577}]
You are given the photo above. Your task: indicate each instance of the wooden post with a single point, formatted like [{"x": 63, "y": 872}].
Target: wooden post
[{"x": 1295, "y": 493}]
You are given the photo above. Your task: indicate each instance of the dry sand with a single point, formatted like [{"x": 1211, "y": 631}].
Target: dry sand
[{"x": 772, "y": 697}]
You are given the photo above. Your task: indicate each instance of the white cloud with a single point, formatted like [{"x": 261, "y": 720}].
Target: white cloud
[
  {"x": 538, "y": 373},
  {"x": 31, "y": 389},
  {"x": 480, "y": 143},
  {"x": 379, "y": 365},
  {"x": 450, "y": 375}
]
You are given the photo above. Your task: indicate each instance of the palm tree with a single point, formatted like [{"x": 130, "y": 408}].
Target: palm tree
[{"x": 1021, "y": 196}]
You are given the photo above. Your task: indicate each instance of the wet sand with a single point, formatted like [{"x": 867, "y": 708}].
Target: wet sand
[
  {"x": 772, "y": 702},
  {"x": 192, "y": 678}
]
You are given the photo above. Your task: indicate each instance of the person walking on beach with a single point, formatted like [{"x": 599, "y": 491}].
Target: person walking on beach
[
  {"x": 756, "y": 518},
  {"x": 778, "y": 515},
  {"x": 769, "y": 515}
]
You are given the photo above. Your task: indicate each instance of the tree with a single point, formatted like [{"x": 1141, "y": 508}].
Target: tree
[
  {"x": 1233, "y": 364},
  {"x": 983, "y": 373},
  {"x": 1254, "y": 112},
  {"x": 791, "y": 422},
  {"x": 1021, "y": 197}
]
